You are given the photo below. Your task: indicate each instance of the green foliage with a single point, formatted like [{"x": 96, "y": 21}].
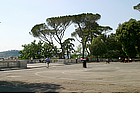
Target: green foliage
[
  {"x": 90, "y": 34},
  {"x": 38, "y": 50},
  {"x": 58, "y": 25},
  {"x": 31, "y": 50},
  {"x": 98, "y": 47},
  {"x": 106, "y": 46},
  {"x": 68, "y": 46},
  {"x": 128, "y": 34},
  {"x": 54, "y": 29},
  {"x": 42, "y": 32},
  {"x": 77, "y": 52},
  {"x": 137, "y": 7},
  {"x": 114, "y": 47},
  {"x": 87, "y": 29}
]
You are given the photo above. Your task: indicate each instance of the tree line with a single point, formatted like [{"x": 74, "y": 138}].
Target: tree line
[{"x": 95, "y": 39}]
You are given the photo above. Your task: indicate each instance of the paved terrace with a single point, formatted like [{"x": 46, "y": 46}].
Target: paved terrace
[{"x": 97, "y": 77}]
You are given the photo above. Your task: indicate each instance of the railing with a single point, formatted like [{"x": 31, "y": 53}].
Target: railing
[{"x": 63, "y": 61}]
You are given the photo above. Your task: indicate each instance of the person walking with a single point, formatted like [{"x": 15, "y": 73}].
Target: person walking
[
  {"x": 107, "y": 61},
  {"x": 47, "y": 62}
]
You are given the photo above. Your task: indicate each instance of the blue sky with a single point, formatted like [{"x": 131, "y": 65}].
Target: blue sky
[{"x": 19, "y": 16}]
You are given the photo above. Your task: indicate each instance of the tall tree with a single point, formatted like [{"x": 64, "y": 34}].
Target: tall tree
[
  {"x": 98, "y": 47},
  {"x": 128, "y": 34},
  {"x": 87, "y": 28},
  {"x": 83, "y": 23},
  {"x": 54, "y": 28},
  {"x": 114, "y": 47},
  {"x": 58, "y": 25},
  {"x": 42, "y": 32}
]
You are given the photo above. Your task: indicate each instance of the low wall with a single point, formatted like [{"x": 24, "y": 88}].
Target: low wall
[
  {"x": 13, "y": 64},
  {"x": 61, "y": 61},
  {"x": 65, "y": 61}
]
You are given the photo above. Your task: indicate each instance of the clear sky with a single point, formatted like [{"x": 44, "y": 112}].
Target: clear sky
[{"x": 17, "y": 17}]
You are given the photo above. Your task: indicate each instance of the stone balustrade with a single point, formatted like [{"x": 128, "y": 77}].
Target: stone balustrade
[{"x": 13, "y": 64}]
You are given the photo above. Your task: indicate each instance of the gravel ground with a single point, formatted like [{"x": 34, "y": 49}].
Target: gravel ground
[{"x": 115, "y": 77}]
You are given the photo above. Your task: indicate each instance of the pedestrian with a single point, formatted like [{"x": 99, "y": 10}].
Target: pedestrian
[
  {"x": 76, "y": 60},
  {"x": 47, "y": 62},
  {"x": 87, "y": 59},
  {"x": 108, "y": 61}
]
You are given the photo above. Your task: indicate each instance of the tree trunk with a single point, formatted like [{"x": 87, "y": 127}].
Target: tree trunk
[
  {"x": 83, "y": 53},
  {"x": 63, "y": 51}
]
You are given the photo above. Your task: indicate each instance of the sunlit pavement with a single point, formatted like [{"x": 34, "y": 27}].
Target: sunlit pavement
[{"x": 97, "y": 77}]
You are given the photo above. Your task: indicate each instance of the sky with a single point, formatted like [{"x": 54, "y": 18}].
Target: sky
[{"x": 17, "y": 17}]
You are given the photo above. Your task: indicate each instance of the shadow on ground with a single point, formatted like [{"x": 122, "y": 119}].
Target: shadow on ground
[{"x": 22, "y": 87}]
